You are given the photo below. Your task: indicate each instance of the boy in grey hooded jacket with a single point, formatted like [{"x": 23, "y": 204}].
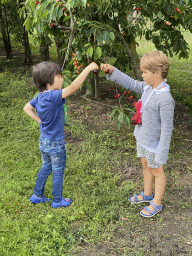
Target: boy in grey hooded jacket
[{"x": 153, "y": 135}]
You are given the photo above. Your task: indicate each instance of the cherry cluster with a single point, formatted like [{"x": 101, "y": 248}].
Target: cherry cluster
[
  {"x": 138, "y": 9},
  {"x": 125, "y": 93},
  {"x": 177, "y": 10},
  {"x": 75, "y": 63}
]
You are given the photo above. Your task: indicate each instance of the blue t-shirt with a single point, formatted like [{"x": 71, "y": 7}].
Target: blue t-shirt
[{"x": 49, "y": 107}]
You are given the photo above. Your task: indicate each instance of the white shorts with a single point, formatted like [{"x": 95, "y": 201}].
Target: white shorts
[{"x": 150, "y": 156}]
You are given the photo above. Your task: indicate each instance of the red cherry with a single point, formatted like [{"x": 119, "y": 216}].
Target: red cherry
[
  {"x": 37, "y": 2},
  {"x": 52, "y": 25},
  {"x": 116, "y": 96},
  {"x": 175, "y": 9},
  {"x": 168, "y": 23},
  {"x": 95, "y": 71},
  {"x": 60, "y": 5},
  {"x": 119, "y": 95},
  {"x": 125, "y": 93},
  {"x": 64, "y": 9}
]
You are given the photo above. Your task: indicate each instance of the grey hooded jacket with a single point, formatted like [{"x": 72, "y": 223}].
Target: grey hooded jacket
[{"x": 157, "y": 116}]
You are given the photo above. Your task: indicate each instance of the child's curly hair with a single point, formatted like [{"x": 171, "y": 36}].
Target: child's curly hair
[
  {"x": 155, "y": 61},
  {"x": 44, "y": 73}
]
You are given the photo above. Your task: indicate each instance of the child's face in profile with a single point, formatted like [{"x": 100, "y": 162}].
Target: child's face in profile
[
  {"x": 58, "y": 82},
  {"x": 148, "y": 76},
  {"x": 151, "y": 78}
]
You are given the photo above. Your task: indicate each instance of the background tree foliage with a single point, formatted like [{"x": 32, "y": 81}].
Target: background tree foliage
[
  {"x": 95, "y": 31},
  {"x": 108, "y": 28}
]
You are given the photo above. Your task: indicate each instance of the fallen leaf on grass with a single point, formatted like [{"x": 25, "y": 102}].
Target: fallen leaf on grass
[{"x": 123, "y": 218}]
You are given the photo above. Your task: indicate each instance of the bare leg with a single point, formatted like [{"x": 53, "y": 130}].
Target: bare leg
[
  {"x": 160, "y": 183},
  {"x": 148, "y": 179}
]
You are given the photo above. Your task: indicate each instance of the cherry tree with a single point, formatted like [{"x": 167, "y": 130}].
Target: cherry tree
[{"x": 108, "y": 27}]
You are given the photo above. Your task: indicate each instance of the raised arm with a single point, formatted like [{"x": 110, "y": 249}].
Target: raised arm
[
  {"x": 30, "y": 112},
  {"x": 122, "y": 79},
  {"x": 79, "y": 80}
]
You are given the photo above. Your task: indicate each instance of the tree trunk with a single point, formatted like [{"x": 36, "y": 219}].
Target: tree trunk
[
  {"x": 90, "y": 87},
  {"x": 5, "y": 35},
  {"x": 28, "y": 57},
  {"x": 59, "y": 44},
  {"x": 134, "y": 60},
  {"x": 96, "y": 78},
  {"x": 44, "y": 51}
]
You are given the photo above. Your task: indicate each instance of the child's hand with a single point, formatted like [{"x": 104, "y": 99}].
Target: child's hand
[
  {"x": 107, "y": 68},
  {"x": 93, "y": 66}
]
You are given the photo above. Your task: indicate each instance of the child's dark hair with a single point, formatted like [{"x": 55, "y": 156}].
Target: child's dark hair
[{"x": 44, "y": 73}]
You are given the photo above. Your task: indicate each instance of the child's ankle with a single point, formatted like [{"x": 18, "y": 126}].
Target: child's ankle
[
  {"x": 147, "y": 193},
  {"x": 157, "y": 202}
]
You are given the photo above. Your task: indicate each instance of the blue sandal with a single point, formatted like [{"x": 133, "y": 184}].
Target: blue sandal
[
  {"x": 157, "y": 209},
  {"x": 35, "y": 200},
  {"x": 145, "y": 198},
  {"x": 64, "y": 203}
]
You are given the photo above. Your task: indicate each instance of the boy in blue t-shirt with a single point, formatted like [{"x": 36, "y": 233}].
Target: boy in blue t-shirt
[{"x": 47, "y": 77}]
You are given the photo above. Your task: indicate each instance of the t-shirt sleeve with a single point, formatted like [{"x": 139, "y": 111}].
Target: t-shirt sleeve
[
  {"x": 33, "y": 102},
  {"x": 57, "y": 97}
]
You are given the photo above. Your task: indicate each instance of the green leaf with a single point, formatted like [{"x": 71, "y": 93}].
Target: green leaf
[
  {"x": 127, "y": 122},
  {"x": 72, "y": 3},
  {"x": 98, "y": 53},
  {"x": 120, "y": 117},
  {"x": 99, "y": 36},
  {"x": 67, "y": 81},
  {"x": 84, "y": 2},
  {"x": 36, "y": 13},
  {"x": 54, "y": 14},
  {"x": 90, "y": 51},
  {"x": 106, "y": 37},
  {"x": 60, "y": 13},
  {"x": 177, "y": 15},
  {"x": 144, "y": 6},
  {"x": 86, "y": 45},
  {"x": 66, "y": 18},
  {"x": 112, "y": 36},
  {"x": 114, "y": 113},
  {"x": 67, "y": 73},
  {"x": 28, "y": 24}
]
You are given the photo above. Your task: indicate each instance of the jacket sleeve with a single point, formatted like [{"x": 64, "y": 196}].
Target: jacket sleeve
[
  {"x": 166, "y": 116},
  {"x": 126, "y": 81}
]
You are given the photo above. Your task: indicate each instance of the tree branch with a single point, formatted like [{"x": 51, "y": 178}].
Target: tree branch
[{"x": 70, "y": 39}]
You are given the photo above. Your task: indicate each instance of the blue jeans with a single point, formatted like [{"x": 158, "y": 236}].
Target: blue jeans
[{"x": 54, "y": 159}]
